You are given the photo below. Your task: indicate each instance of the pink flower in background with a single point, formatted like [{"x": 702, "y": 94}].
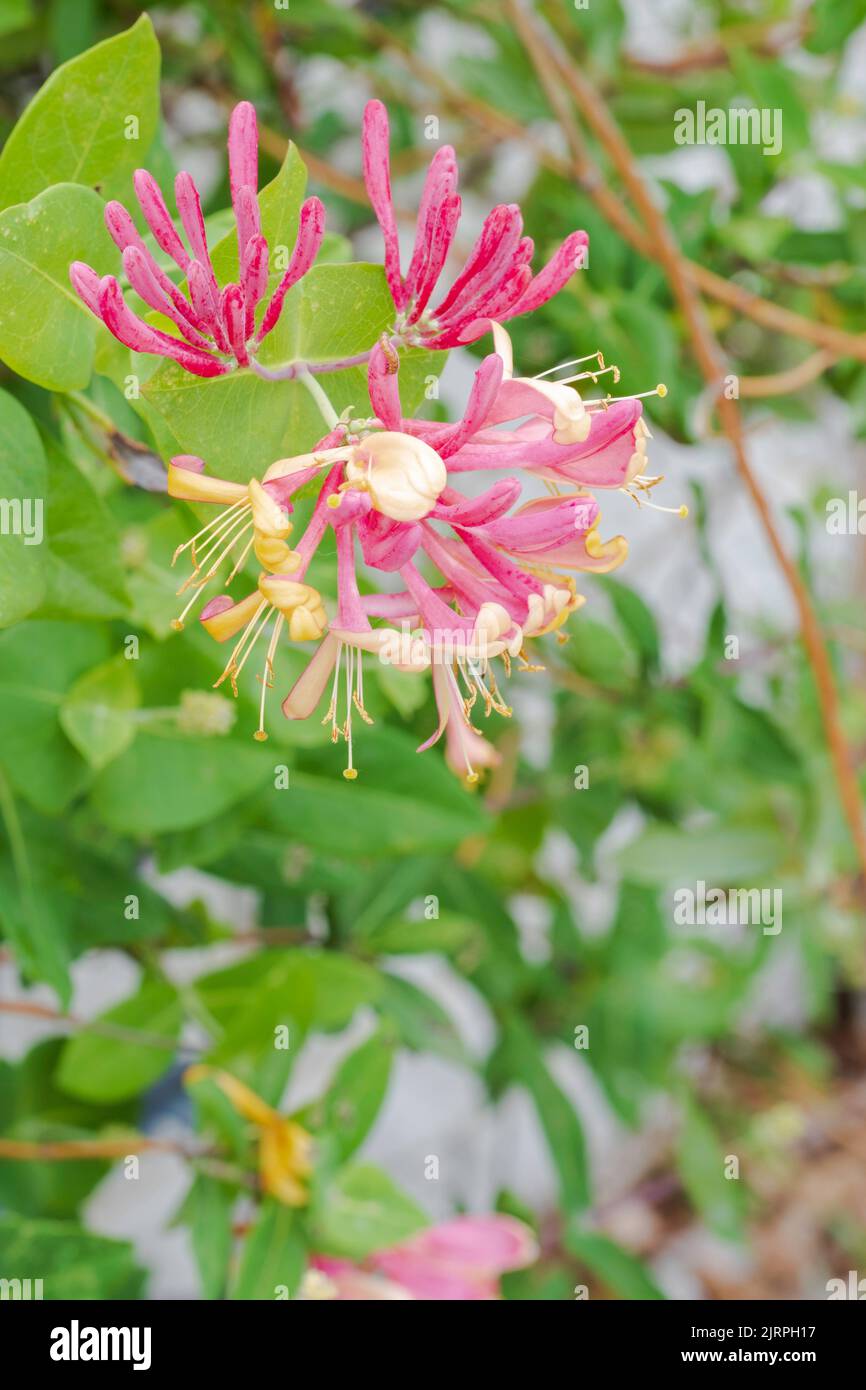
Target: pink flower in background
[
  {"x": 217, "y": 325},
  {"x": 496, "y": 281},
  {"x": 462, "y": 1260}
]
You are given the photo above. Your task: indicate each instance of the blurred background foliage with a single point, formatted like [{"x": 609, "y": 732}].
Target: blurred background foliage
[{"x": 114, "y": 773}]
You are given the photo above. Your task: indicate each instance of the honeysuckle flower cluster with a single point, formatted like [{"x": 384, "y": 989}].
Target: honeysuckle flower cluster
[
  {"x": 504, "y": 559},
  {"x": 217, "y": 325}
]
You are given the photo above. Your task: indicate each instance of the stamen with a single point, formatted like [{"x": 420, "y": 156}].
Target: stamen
[
  {"x": 239, "y": 564},
  {"x": 590, "y": 376},
  {"x": 232, "y": 669},
  {"x": 219, "y": 520},
  {"x": 227, "y": 539},
  {"x": 661, "y": 390},
  {"x": 572, "y": 362},
  {"x": 349, "y": 772},
  {"x": 526, "y": 664},
  {"x": 358, "y": 697},
  {"x": 331, "y": 716},
  {"x": 267, "y": 677},
  {"x": 178, "y": 622},
  {"x": 654, "y": 506}
]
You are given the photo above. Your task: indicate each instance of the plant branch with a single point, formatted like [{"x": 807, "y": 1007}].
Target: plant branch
[{"x": 545, "y": 55}]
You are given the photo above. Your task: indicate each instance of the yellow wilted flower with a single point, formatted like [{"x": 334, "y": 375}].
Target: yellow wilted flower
[{"x": 285, "y": 1148}]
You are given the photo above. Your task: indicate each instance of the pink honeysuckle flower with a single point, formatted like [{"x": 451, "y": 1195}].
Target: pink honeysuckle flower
[
  {"x": 462, "y": 1260},
  {"x": 506, "y": 565},
  {"x": 217, "y": 326},
  {"x": 496, "y": 281}
]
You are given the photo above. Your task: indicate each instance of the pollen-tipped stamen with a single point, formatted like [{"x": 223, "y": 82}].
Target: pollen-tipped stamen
[
  {"x": 220, "y": 520},
  {"x": 247, "y": 639},
  {"x": 267, "y": 677},
  {"x": 224, "y": 542},
  {"x": 606, "y": 401},
  {"x": 349, "y": 771},
  {"x": 588, "y": 376},
  {"x": 572, "y": 362}
]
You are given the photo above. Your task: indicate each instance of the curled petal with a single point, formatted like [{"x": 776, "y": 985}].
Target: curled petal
[
  {"x": 458, "y": 510},
  {"x": 224, "y": 618},
  {"x": 535, "y": 529}
]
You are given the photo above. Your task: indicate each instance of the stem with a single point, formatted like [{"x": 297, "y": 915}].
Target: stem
[
  {"x": 319, "y": 395},
  {"x": 290, "y": 371}
]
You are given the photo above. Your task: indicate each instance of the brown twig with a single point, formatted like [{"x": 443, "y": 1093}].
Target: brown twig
[
  {"x": 547, "y": 58},
  {"x": 788, "y": 381},
  {"x": 117, "y": 1033},
  {"x": 77, "y": 1149}
]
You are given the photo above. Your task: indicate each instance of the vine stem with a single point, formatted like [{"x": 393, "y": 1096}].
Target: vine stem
[
  {"x": 293, "y": 371},
  {"x": 548, "y": 61},
  {"x": 320, "y": 396}
]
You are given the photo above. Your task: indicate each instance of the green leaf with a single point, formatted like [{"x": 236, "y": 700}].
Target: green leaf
[
  {"x": 401, "y": 803},
  {"x": 718, "y": 854},
  {"x": 273, "y": 1257},
  {"x": 297, "y": 988},
  {"x": 636, "y": 619},
  {"x": 84, "y": 575},
  {"x": 720, "y": 1200},
  {"x": 72, "y": 1263},
  {"x": 170, "y": 783},
  {"x": 76, "y": 128},
  {"x": 46, "y": 333},
  {"x": 449, "y": 932},
  {"x": 22, "y": 506},
  {"x": 422, "y": 1023},
  {"x": 355, "y": 1095},
  {"x": 621, "y": 1271},
  {"x": 105, "y": 1070},
  {"x": 207, "y": 1212},
  {"x": 95, "y": 713},
  {"x": 360, "y": 1211},
  {"x": 38, "y": 663},
  {"x": 520, "y": 1059}
]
